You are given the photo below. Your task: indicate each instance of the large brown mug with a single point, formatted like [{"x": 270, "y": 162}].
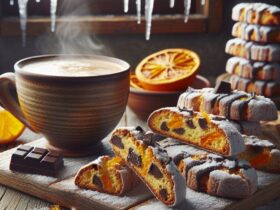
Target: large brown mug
[{"x": 74, "y": 108}]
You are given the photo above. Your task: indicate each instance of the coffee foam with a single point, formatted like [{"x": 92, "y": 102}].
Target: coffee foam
[{"x": 74, "y": 67}]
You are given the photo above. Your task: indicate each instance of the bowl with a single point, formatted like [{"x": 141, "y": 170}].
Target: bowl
[{"x": 144, "y": 102}]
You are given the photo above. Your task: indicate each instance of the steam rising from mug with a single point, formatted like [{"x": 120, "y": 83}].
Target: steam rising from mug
[{"x": 71, "y": 35}]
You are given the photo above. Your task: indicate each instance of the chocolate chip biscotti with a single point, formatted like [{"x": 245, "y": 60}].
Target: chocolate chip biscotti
[
  {"x": 106, "y": 174},
  {"x": 234, "y": 105},
  {"x": 253, "y": 70},
  {"x": 256, "y": 33},
  {"x": 262, "y": 154},
  {"x": 197, "y": 129},
  {"x": 210, "y": 173},
  {"x": 151, "y": 163},
  {"x": 253, "y": 51},
  {"x": 256, "y": 13}
]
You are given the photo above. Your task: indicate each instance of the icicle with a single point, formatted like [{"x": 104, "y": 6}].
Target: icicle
[
  {"x": 138, "y": 8},
  {"x": 125, "y": 4},
  {"x": 22, "y": 5},
  {"x": 172, "y": 3},
  {"x": 187, "y": 5},
  {"x": 202, "y": 2},
  {"x": 12, "y": 2},
  {"x": 149, "y": 6},
  {"x": 53, "y": 14}
]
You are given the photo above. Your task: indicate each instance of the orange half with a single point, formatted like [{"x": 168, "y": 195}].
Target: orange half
[
  {"x": 10, "y": 127},
  {"x": 168, "y": 70}
]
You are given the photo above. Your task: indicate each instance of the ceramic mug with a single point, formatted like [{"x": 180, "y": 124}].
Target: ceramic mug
[{"x": 74, "y": 112}]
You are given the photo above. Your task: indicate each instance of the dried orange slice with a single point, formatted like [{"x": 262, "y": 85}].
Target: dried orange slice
[
  {"x": 168, "y": 70},
  {"x": 10, "y": 127},
  {"x": 134, "y": 82}
]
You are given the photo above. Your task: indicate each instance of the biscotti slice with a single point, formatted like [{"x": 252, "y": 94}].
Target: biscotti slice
[
  {"x": 253, "y": 70},
  {"x": 210, "y": 173},
  {"x": 106, "y": 174},
  {"x": 262, "y": 154},
  {"x": 234, "y": 105},
  {"x": 198, "y": 129},
  {"x": 257, "y": 33},
  {"x": 256, "y": 13},
  {"x": 259, "y": 87},
  {"x": 151, "y": 163},
  {"x": 253, "y": 51}
]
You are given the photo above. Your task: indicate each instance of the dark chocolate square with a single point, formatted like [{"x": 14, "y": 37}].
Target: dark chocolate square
[
  {"x": 25, "y": 148},
  {"x": 54, "y": 154},
  {"x": 40, "y": 151},
  {"x": 33, "y": 157},
  {"x": 19, "y": 155}
]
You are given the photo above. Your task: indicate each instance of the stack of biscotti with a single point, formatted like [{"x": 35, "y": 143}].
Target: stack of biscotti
[
  {"x": 244, "y": 111},
  {"x": 255, "y": 66}
]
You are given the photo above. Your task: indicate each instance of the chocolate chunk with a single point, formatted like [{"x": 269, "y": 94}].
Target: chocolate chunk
[
  {"x": 94, "y": 166},
  {"x": 97, "y": 181},
  {"x": 117, "y": 141},
  {"x": 179, "y": 131},
  {"x": 190, "y": 111},
  {"x": 223, "y": 87},
  {"x": 163, "y": 194},
  {"x": 36, "y": 161},
  {"x": 180, "y": 157},
  {"x": 134, "y": 158},
  {"x": 164, "y": 127},
  {"x": 202, "y": 123},
  {"x": 218, "y": 118},
  {"x": 154, "y": 170},
  {"x": 139, "y": 128},
  {"x": 190, "y": 124},
  {"x": 150, "y": 139}
]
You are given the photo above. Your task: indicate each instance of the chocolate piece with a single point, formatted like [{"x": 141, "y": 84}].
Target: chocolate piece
[
  {"x": 36, "y": 161},
  {"x": 134, "y": 158},
  {"x": 151, "y": 139},
  {"x": 164, "y": 127},
  {"x": 190, "y": 111},
  {"x": 179, "y": 131},
  {"x": 97, "y": 181},
  {"x": 163, "y": 193},
  {"x": 189, "y": 123},
  {"x": 139, "y": 128},
  {"x": 202, "y": 123},
  {"x": 179, "y": 157},
  {"x": 154, "y": 170},
  {"x": 117, "y": 141},
  {"x": 223, "y": 87}
]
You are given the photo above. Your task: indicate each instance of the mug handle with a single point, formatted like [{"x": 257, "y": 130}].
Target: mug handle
[{"x": 8, "y": 97}]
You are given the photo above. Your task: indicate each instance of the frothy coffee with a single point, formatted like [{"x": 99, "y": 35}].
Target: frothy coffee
[{"x": 72, "y": 67}]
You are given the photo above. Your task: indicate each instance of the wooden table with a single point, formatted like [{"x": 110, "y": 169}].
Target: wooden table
[{"x": 14, "y": 200}]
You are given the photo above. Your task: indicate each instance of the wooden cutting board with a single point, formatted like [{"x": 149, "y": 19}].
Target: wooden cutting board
[{"x": 62, "y": 190}]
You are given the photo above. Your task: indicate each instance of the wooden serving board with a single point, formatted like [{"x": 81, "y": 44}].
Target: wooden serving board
[{"x": 63, "y": 191}]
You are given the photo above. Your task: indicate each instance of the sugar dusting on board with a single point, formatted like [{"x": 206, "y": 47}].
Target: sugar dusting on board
[{"x": 149, "y": 6}]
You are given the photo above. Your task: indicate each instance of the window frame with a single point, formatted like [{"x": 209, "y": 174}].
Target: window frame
[{"x": 207, "y": 18}]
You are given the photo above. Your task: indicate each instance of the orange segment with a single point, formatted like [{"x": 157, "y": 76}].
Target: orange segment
[
  {"x": 168, "y": 70},
  {"x": 10, "y": 127}
]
